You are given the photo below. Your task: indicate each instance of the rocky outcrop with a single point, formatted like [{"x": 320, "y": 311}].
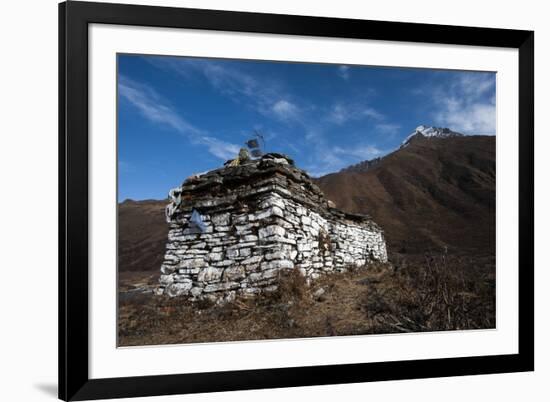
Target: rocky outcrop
[{"x": 232, "y": 231}]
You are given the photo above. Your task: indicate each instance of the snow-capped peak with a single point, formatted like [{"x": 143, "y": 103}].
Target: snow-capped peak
[{"x": 429, "y": 131}]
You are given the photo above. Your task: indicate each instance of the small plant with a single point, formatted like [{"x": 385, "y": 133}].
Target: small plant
[{"x": 292, "y": 286}]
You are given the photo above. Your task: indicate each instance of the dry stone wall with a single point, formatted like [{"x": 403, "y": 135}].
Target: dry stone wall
[{"x": 258, "y": 219}]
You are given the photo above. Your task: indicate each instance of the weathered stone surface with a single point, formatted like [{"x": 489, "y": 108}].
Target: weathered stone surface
[
  {"x": 277, "y": 264},
  {"x": 192, "y": 263},
  {"x": 318, "y": 293},
  {"x": 214, "y": 256},
  {"x": 252, "y": 260},
  {"x": 271, "y": 230},
  {"x": 234, "y": 273},
  {"x": 232, "y": 253},
  {"x": 196, "y": 291},
  {"x": 216, "y": 287},
  {"x": 221, "y": 219},
  {"x": 166, "y": 280},
  {"x": 260, "y": 218},
  {"x": 278, "y": 255},
  {"x": 179, "y": 289},
  {"x": 167, "y": 269},
  {"x": 245, "y": 252},
  {"x": 209, "y": 274}
]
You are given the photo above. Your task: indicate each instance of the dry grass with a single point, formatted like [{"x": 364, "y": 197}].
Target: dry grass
[
  {"x": 427, "y": 293},
  {"x": 442, "y": 293}
]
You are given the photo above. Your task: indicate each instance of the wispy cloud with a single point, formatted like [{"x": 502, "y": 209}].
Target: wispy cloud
[
  {"x": 361, "y": 152},
  {"x": 474, "y": 85},
  {"x": 286, "y": 110},
  {"x": 475, "y": 118},
  {"x": 343, "y": 71},
  {"x": 332, "y": 159},
  {"x": 388, "y": 128},
  {"x": 465, "y": 103},
  {"x": 343, "y": 113},
  {"x": 265, "y": 96},
  {"x": 151, "y": 106},
  {"x": 325, "y": 157},
  {"x": 326, "y": 163},
  {"x": 222, "y": 149},
  {"x": 156, "y": 109}
]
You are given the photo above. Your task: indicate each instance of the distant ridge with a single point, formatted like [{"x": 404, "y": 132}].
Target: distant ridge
[
  {"x": 436, "y": 192},
  {"x": 362, "y": 166}
]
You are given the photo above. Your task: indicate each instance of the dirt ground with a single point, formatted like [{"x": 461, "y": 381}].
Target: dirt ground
[{"x": 424, "y": 293}]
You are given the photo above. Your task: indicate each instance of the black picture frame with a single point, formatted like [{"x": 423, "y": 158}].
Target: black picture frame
[{"x": 74, "y": 381}]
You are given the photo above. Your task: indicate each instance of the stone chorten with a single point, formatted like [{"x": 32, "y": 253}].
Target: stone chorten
[{"x": 233, "y": 229}]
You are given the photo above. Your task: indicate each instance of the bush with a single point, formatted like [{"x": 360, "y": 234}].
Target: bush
[
  {"x": 291, "y": 286},
  {"x": 442, "y": 293}
]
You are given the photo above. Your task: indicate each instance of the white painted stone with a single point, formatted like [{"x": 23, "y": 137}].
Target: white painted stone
[
  {"x": 252, "y": 260},
  {"x": 272, "y": 230},
  {"x": 215, "y": 256},
  {"x": 224, "y": 263},
  {"x": 242, "y": 228},
  {"x": 272, "y": 211},
  {"x": 178, "y": 289},
  {"x": 300, "y": 210},
  {"x": 215, "y": 287},
  {"x": 209, "y": 274},
  {"x": 221, "y": 219},
  {"x": 273, "y": 201},
  {"x": 166, "y": 280},
  {"x": 192, "y": 263},
  {"x": 167, "y": 269},
  {"x": 188, "y": 271},
  {"x": 234, "y": 273},
  {"x": 318, "y": 293},
  {"x": 278, "y": 255},
  {"x": 270, "y": 273},
  {"x": 277, "y": 264},
  {"x": 232, "y": 253},
  {"x": 245, "y": 252}
]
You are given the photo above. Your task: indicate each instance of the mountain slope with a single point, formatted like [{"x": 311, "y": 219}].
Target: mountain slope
[
  {"x": 142, "y": 234},
  {"x": 436, "y": 192}
]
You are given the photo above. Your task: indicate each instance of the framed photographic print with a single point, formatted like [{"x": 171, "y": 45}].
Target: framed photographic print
[{"x": 258, "y": 201}]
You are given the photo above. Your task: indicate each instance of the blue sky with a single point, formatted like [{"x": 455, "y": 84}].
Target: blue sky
[{"x": 178, "y": 116}]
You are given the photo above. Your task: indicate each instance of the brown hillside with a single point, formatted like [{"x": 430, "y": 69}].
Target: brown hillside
[
  {"x": 142, "y": 233},
  {"x": 433, "y": 193}
]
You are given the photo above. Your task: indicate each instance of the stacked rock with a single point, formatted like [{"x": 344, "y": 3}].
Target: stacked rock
[{"x": 255, "y": 220}]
